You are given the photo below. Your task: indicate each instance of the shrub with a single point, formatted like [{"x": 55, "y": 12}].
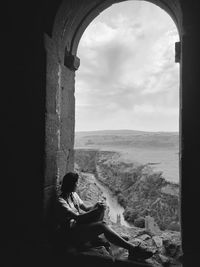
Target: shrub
[
  {"x": 174, "y": 226},
  {"x": 121, "y": 199},
  {"x": 117, "y": 191},
  {"x": 130, "y": 215},
  {"x": 140, "y": 222}
]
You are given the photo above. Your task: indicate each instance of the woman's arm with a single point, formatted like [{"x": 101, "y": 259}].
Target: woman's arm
[
  {"x": 81, "y": 204},
  {"x": 65, "y": 213},
  {"x": 90, "y": 216},
  {"x": 86, "y": 208},
  {"x": 89, "y": 208}
]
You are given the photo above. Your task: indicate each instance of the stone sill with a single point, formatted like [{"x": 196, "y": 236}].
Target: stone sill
[{"x": 88, "y": 259}]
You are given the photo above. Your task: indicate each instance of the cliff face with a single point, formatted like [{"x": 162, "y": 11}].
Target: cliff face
[
  {"x": 139, "y": 189},
  {"x": 86, "y": 160}
]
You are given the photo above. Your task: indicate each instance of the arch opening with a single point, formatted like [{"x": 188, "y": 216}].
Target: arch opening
[{"x": 93, "y": 140}]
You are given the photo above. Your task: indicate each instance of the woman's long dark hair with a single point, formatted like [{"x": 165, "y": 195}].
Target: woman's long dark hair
[{"x": 69, "y": 183}]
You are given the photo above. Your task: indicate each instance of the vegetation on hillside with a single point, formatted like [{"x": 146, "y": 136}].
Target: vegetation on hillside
[{"x": 138, "y": 188}]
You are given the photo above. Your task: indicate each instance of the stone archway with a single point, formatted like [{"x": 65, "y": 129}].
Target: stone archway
[{"x": 71, "y": 20}]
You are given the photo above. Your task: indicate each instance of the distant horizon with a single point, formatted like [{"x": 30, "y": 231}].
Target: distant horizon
[{"x": 135, "y": 130}]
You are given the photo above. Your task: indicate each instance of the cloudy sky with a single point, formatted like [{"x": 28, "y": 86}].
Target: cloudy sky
[{"x": 128, "y": 78}]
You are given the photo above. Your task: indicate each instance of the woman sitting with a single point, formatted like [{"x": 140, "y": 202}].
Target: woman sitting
[{"x": 81, "y": 224}]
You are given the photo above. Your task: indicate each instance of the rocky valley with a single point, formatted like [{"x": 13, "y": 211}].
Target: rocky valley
[
  {"x": 149, "y": 202},
  {"x": 140, "y": 190}
]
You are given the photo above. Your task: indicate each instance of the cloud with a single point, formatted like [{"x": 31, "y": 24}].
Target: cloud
[
  {"x": 127, "y": 69},
  {"x": 98, "y": 33},
  {"x": 150, "y": 109}
]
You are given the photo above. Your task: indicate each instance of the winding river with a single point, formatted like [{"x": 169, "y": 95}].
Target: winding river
[{"x": 111, "y": 201}]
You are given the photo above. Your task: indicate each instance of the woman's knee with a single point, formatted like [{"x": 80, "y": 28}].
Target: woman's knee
[
  {"x": 99, "y": 216},
  {"x": 103, "y": 226},
  {"x": 100, "y": 225}
]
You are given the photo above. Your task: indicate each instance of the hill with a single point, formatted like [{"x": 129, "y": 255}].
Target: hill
[{"x": 127, "y": 138}]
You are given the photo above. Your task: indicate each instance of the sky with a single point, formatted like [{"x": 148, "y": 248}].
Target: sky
[{"x": 128, "y": 78}]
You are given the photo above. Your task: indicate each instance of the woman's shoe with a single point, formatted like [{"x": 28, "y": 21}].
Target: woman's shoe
[{"x": 140, "y": 253}]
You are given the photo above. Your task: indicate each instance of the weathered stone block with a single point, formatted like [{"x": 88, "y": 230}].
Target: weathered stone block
[
  {"x": 50, "y": 169},
  {"x": 63, "y": 162},
  {"x": 49, "y": 201},
  {"x": 52, "y": 135},
  {"x": 67, "y": 103},
  {"x": 52, "y": 80}
]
